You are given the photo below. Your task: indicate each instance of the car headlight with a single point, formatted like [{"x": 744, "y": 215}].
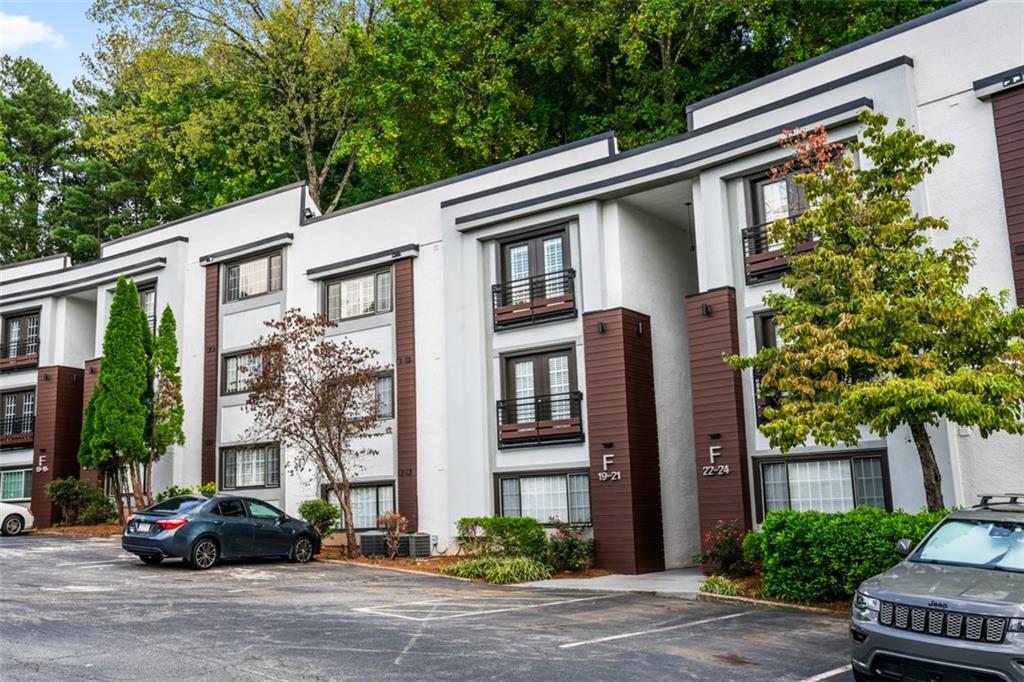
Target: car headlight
[
  {"x": 1015, "y": 625},
  {"x": 865, "y": 608}
]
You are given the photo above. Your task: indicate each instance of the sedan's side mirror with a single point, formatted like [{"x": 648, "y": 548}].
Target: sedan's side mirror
[{"x": 904, "y": 547}]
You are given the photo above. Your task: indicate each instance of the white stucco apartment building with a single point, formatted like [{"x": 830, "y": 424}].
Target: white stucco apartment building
[{"x": 555, "y": 323}]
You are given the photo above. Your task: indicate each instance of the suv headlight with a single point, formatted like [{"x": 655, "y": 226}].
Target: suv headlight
[
  {"x": 1015, "y": 625},
  {"x": 865, "y": 608}
]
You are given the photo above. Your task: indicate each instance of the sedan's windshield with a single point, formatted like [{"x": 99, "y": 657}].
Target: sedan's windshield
[{"x": 984, "y": 544}]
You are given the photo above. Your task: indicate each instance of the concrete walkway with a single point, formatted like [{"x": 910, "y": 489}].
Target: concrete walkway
[{"x": 681, "y": 583}]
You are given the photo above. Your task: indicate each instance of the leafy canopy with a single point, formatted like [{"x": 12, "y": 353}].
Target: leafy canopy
[{"x": 877, "y": 323}]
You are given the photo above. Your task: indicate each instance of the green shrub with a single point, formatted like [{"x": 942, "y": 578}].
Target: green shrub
[
  {"x": 722, "y": 550},
  {"x": 79, "y": 502},
  {"x": 173, "y": 491},
  {"x": 503, "y": 536},
  {"x": 719, "y": 584},
  {"x": 753, "y": 549},
  {"x": 568, "y": 550},
  {"x": 813, "y": 556},
  {"x": 500, "y": 570},
  {"x": 320, "y": 514},
  {"x": 208, "y": 488}
]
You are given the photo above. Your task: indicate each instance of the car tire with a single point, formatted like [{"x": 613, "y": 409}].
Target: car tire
[
  {"x": 204, "y": 554},
  {"x": 151, "y": 559},
  {"x": 13, "y": 525},
  {"x": 302, "y": 550}
]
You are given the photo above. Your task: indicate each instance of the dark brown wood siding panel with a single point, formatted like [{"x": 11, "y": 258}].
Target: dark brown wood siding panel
[
  {"x": 58, "y": 427},
  {"x": 211, "y": 383},
  {"x": 92, "y": 375},
  {"x": 405, "y": 391},
  {"x": 717, "y": 408},
  {"x": 1008, "y": 115},
  {"x": 621, "y": 421}
]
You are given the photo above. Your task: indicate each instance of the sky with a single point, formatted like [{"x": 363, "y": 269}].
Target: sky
[{"x": 54, "y": 33}]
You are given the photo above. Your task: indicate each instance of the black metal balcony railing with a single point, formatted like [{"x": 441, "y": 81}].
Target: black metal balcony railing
[
  {"x": 763, "y": 258},
  {"x": 541, "y": 297},
  {"x": 14, "y": 349},
  {"x": 17, "y": 429},
  {"x": 540, "y": 419}
]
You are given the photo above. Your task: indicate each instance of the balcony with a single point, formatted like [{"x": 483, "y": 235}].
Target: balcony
[
  {"x": 535, "y": 299},
  {"x": 540, "y": 420},
  {"x": 764, "y": 260},
  {"x": 15, "y": 431},
  {"x": 16, "y": 354}
]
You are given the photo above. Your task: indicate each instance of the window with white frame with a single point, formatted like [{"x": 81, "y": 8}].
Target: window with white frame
[
  {"x": 826, "y": 485},
  {"x": 369, "y": 502},
  {"x": 147, "y": 299},
  {"x": 239, "y": 371},
  {"x": 16, "y": 484},
  {"x": 257, "y": 466},
  {"x": 253, "y": 277},
  {"x": 546, "y": 497},
  {"x": 365, "y": 294},
  {"x": 386, "y": 396}
]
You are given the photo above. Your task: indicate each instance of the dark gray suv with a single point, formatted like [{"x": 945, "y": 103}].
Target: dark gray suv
[{"x": 953, "y": 610}]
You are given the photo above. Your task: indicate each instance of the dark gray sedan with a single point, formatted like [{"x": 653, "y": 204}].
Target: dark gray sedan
[{"x": 203, "y": 530}]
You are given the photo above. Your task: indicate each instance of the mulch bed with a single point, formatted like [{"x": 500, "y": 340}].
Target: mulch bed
[
  {"x": 99, "y": 530},
  {"x": 752, "y": 589},
  {"x": 434, "y": 564}
]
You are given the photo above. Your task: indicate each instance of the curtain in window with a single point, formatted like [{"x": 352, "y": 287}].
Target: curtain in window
[
  {"x": 519, "y": 270},
  {"x": 385, "y": 396},
  {"x": 544, "y": 498},
  {"x": 579, "y": 498},
  {"x": 867, "y": 482},
  {"x": 558, "y": 379},
  {"x": 252, "y": 278},
  {"x": 10, "y": 407},
  {"x": 357, "y": 296},
  {"x": 364, "y": 507},
  {"x": 32, "y": 337},
  {"x": 13, "y": 336},
  {"x": 13, "y": 485},
  {"x": 822, "y": 486},
  {"x": 383, "y": 303},
  {"x": 554, "y": 263},
  {"x": 510, "y": 497},
  {"x": 524, "y": 391},
  {"x": 28, "y": 405},
  {"x": 776, "y": 488}
]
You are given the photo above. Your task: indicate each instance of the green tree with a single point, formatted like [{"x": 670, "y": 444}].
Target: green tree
[
  {"x": 35, "y": 117},
  {"x": 877, "y": 325},
  {"x": 167, "y": 411},
  {"x": 114, "y": 433}
]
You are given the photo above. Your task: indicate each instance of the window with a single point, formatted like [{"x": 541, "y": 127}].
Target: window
[
  {"x": 254, "y": 277},
  {"x": 765, "y": 330},
  {"x": 16, "y": 484},
  {"x": 251, "y": 467},
  {"x": 826, "y": 485},
  {"x": 539, "y": 386},
  {"x": 239, "y": 371},
  {"x": 981, "y": 543},
  {"x": 544, "y": 256},
  {"x": 262, "y": 510},
  {"x": 565, "y": 497},
  {"x": 233, "y": 508},
  {"x": 177, "y": 505},
  {"x": 776, "y": 198},
  {"x": 367, "y": 294},
  {"x": 386, "y": 396},
  {"x": 147, "y": 299},
  {"x": 19, "y": 412},
  {"x": 21, "y": 335},
  {"x": 368, "y": 503}
]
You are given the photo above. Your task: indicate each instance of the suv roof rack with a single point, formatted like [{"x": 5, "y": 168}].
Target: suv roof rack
[{"x": 1004, "y": 498}]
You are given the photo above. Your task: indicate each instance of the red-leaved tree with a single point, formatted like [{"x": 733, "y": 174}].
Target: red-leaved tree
[{"x": 316, "y": 396}]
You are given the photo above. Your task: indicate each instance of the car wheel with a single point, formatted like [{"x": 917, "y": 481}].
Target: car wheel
[
  {"x": 302, "y": 550},
  {"x": 204, "y": 554},
  {"x": 12, "y": 525},
  {"x": 151, "y": 559}
]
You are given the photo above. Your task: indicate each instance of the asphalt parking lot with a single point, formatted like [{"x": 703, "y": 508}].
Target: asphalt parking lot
[{"x": 82, "y": 609}]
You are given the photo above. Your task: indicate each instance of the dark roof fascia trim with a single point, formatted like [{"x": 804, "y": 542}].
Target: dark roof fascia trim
[
  {"x": 610, "y": 136},
  {"x": 5, "y": 266},
  {"x": 668, "y": 165},
  {"x": 207, "y": 212},
  {"x": 999, "y": 82},
  {"x": 104, "y": 259},
  {"x": 717, "y": 125},
  {"x": 228, "y": 254},
  {"x": 863, "y": 42},
  {"x": 93, "y": 280},
  {"x": 325, "y": 271}
]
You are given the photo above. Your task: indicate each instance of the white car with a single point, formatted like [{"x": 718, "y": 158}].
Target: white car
[{"x": 14, "y": 519}]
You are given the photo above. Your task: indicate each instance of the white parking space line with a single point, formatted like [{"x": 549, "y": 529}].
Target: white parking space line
[
  {"x": 109, "y": 562},
  {"x": 467, "y": 608},
  {"x": 831, "y": 673},
  {"x": 653, "y": 630}
]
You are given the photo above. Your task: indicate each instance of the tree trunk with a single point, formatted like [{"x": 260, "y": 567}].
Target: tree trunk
[
  {"x": 929, "y": 468},
  {"x": 115, "y": 484},
  {"x": 137, "y": 494},
  {"x": 342, "y": 491},
  {"x": 147, "y": 490}
]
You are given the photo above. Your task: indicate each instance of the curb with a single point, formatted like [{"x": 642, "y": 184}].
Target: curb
[
  {"x": 708, "y": 596},
  {"x": 395, "y": 569},
  {"x": 690, "y": 596}
]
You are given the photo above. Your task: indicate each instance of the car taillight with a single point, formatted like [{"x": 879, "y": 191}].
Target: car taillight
[
  {"x": 129, "y": 520},
  {"x": 171, "y": 524}
]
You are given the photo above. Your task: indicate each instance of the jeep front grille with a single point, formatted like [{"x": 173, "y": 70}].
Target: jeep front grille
[{"x": 941, "y": 623}]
